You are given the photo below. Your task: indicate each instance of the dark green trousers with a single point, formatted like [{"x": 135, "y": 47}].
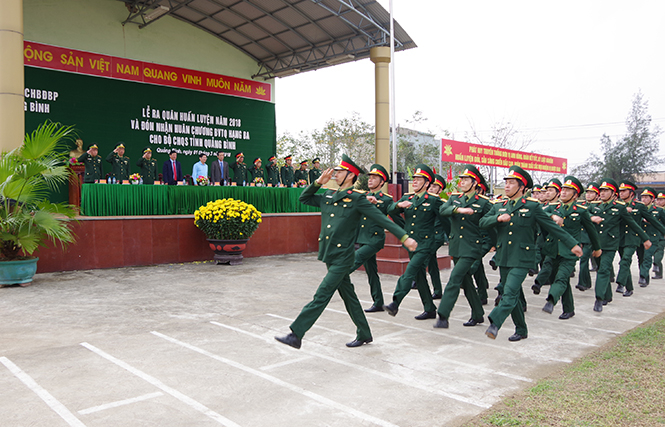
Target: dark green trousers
[
  {"x": 415, "y": 271},
  {"x": 461, "y": 277},
  {"x": 434, "y": 273},
  {"x": 647, "y": 261},
  {"x": 624, "y": 277},
  {"x": 546, "y": 273},
  {"x": 512, "y": 279},
  {"x": 478, "y": 272},
  {"x": 658, "y": 256},
  {"x": 366, "y": 256},
  {"x": 560, "y": 288},
  {"x": 584, "y": 278},
  {"x": 603, "y": 289},
  {"x": 499, "y": 289},
  {"x": 338, "y": 280}
]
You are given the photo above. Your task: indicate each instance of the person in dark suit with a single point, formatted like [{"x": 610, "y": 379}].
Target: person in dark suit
[
  {"x": 171, "y": 171},
  {"x": 219, "y": 170}
]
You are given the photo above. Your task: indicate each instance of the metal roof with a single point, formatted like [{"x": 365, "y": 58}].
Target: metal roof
[{"x": 285, "y": 37}]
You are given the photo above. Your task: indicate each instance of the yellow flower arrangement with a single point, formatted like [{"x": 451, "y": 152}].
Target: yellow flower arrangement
[{"x": 227, "y": 219}]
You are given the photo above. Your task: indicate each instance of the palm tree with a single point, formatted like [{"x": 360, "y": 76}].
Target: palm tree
[{"x": 27, "y": 176}]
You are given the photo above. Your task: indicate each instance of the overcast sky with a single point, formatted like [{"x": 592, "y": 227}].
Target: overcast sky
[{"x": 563, "y": 72}]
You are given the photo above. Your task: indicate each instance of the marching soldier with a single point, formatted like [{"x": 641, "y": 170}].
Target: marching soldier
[
  {"x": 515, "y": 220},
  {"x": 420, "y": 212},
  {"x": 489, "y": 243},
  {"x": 148, "y": 167},
  {"x": 93, "y": 164},
  {"x": 584, "y": 281},
  {"x": 630, "y": 241},
  {"x": 655, "y": 215},
  {"x": 119, "y": 162},
  {"x": 660, "y": 249},
  {"x": 442, "y": 229},
  {"x": 610, "y": 215},
  {"x": 315, "y": 171},
  {"x": 286, "y": 172},
  {"x": 341, "y": 213},
  {"x": 272, "y": 172},
  {"x": 465, "y": 210},
  {"x": 301, "y": 173},
  {"x": 573, "y": 218},
  {"x": 371, "y": 236},
  {"x": 239, "y": 170},
  {"x": 546, "y": 245}
]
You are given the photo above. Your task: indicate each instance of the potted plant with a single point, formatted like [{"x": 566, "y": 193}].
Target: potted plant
[
  {"x": 27, "y": 217},
  {"x": 228, "y": 224},
  {"x": 135, "y": 179}
]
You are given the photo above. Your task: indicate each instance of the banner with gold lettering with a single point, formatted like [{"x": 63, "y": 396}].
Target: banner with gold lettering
[
  {"x": 478, "y": 154},
  {"x": 94, "y": 64}
]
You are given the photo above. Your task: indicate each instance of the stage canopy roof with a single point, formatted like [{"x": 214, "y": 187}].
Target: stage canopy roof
[{"x": 285, "y": 37}]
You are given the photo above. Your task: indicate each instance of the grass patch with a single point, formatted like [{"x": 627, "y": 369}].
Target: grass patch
[{"x": 622, "y": 384}]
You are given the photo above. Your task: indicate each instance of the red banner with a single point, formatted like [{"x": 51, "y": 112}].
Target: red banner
[
  {"x": 478, "y": 154},
  {"x": 94, "y": 64}
]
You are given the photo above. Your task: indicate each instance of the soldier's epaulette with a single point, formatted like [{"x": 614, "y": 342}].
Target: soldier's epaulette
[
  {"x": 388, "y": 195},
  {"x": 533, "y": 199},
  {"x": 408, "y": 194},
  {"x": 455, "y": 193},
  {"x": 597, "y": 202},
  {"x": 582, "y": 206},
  {"x": 553, "y": 203},
  {"x": 639, "y": 201},
  {"x": 483, "y": 196},
  {"x": 359, "y": 191},
  {"x": 620, "y": 202}
]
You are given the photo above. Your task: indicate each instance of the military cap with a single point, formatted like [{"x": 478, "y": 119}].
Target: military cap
[
  {"x": 627, "y": 185},
  {"x": 239, "y": 155},
  {"x": 440, "y": 181},
  {"x": 272, "y": 158},
  {"x": 661, "y": 195},
  {"x": 91, "y": 146},
  {"x": 316, "y": 160},
  {"x": 258, "y": 159},
  {"x": 648, "y": 191},
  {"x": 554, "y": 182},
  {"x": 609, "y": 184},
  {"x": 304, "y": 162},
  {"x": 288, "y": 157},
  {"x": 574, "y": 183},
  {"x": 593, "y": 186},
  {"x": 120, "y": 145},
  {"x": 147, "y": 150},
  {"x": 536, "y": 188},
  {"x": 516, "y": 172},
  {"x": 473, "y": 172},
  {"x": 424, "y": 171},
  {"x": 377, "y": 169},
  {"x": 349, "y": 165}
]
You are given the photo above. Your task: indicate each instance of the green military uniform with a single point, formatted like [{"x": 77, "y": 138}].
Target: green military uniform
[
  {"x": 301, "y": 174},
  {"x": 93, "y": 166},
  {"x": 584, "y": 279},
  {"x": 477, "y": 269},
  {"x": 442, "y": 231},
  {"x": 420, "y": 219},
  {"x": 272, "y": 172},
  {"x": 630, "y": 241},
  {"x": 660, "y": 249},
  {"x": 515, "y": 250},
  {"x": 466, "y": 247},
  {"x": 148, "y": 168},
  {"x": 575, "y": 220},
  {"x": 371, "y": 238},
  {"x": 314, "y": 172},
  {"x": 656, "y": 215},
  {"x": 256, "y": 172},
  {"x": 286, "y": 174},
  {"x": 614, "y": 215},
  {"x": 239, "y": 170},
  {"x": 120, "y": 164},
  {"x": 341, "y": 214},
  {"x": 547, "y": 246}
]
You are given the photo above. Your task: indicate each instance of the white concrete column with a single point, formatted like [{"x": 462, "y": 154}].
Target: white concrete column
[
  {"x": 380, "y": 56},
  {"x": 12, "y": 82}
]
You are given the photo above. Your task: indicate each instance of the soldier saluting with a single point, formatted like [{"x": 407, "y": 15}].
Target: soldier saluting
[{"x": 341, "y": 213}]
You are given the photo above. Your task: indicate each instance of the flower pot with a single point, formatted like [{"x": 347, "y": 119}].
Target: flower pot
[
  {"x": 18, "y": 272},
  {"x": 228, "y": 251}
]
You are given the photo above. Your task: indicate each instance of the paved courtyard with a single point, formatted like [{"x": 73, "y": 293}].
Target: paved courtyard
[{"x": 192, "y": 345}]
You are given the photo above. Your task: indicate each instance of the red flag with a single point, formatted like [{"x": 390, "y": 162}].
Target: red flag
[{"x": 450, "y": 174}]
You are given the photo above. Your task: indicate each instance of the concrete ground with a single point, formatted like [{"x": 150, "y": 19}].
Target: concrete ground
[{"x": 192, "y": 345}]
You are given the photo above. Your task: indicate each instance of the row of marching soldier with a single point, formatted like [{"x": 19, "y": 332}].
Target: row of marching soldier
[{"x": 544, "y": 235}]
